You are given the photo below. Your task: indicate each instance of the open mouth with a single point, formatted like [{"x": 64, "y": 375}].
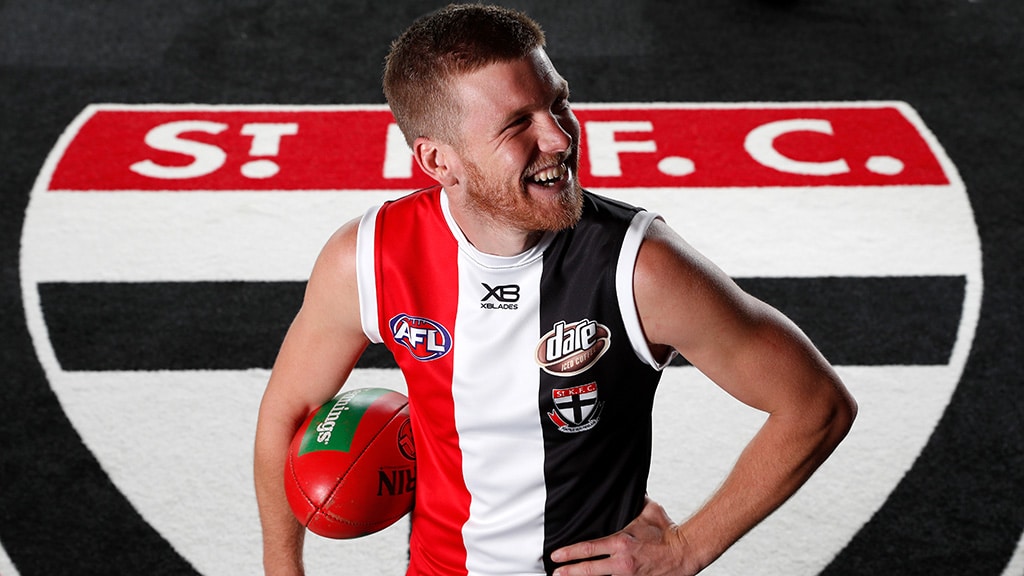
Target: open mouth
[{"x": 549, "y": 176}]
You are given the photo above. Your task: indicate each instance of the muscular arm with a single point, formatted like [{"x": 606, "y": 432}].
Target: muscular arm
[
  {"x": 322, "y": 345},
  {"x": 758, "y": 356}
]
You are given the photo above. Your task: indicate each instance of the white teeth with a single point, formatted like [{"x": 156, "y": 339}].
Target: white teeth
[{"x": 550, "y": 175}]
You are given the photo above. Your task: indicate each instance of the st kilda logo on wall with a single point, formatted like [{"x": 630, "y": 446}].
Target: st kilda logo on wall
[{"x": 151, "y": 226}]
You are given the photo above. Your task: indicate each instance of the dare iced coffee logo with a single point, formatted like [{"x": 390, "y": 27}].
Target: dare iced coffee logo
[{"x": 572, "y": 348}]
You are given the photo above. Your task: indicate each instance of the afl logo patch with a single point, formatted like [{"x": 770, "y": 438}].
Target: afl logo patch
[
  {"x": 424, "y": 338},
  {"x": 570, "y": 349}
]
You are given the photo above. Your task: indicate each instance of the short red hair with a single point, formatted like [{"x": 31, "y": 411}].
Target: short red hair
[{"x": 436, "y": 48}]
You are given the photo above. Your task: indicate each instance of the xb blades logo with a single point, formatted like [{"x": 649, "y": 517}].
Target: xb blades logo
[
  {"x": 506, "y": 297},
  {"x": 424, "y": 338}
]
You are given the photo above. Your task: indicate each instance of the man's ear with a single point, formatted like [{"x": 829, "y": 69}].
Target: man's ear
[{"x": 437, "y": 160}]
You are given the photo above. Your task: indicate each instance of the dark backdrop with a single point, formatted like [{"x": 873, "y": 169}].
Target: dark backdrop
[{"x": 959, "y": 63}]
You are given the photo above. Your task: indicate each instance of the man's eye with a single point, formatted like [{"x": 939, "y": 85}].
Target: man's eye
[{"x": 517, "y": 122}]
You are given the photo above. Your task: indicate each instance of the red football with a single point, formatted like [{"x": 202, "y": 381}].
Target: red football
[{"x": 351, "y": 467}]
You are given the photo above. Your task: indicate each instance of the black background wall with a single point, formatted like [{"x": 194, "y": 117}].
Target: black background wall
[{"x": 959, "y": 63}]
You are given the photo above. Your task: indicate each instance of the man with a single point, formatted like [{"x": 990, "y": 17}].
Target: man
[{"x": 532, "y": 418}]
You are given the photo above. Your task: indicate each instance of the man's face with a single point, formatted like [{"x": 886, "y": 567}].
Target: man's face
[{"x": 519, "y": 144}]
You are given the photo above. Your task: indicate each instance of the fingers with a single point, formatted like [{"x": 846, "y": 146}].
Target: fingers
[
  {"x": 610, "y": 555},
  {"x": 591, "y": 555},
  {"x": 577, "y": 552},
  {"x": 640, "y": 547},
  {"x": 592, "y": 568}
]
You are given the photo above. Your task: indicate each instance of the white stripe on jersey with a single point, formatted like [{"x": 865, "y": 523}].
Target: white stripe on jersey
[
  {"x": 366, "y": 281},
  {"x": 496, "y": 411},
  {"x": 624, "y": 289}
]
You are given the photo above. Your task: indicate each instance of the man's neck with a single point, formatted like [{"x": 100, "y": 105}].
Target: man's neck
[{"x": 492, "y": 237}]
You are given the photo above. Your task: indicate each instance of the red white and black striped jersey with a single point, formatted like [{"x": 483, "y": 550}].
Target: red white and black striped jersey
[{"x": 530, "y": 382}]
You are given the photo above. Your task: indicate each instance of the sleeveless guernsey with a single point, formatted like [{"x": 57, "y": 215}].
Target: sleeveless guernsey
[{"x": 530, "y": 382}]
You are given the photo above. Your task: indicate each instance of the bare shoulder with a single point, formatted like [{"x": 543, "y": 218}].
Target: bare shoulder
[
  {"x": 680, "y": 293},
  {"x": 335, "y": 266},
  {"x": 332, "y": 291},
  {"x": 664, "y": 253},
  {"x": 340, "y": 249}
]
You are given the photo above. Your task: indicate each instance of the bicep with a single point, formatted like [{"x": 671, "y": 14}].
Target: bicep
[
  {"x": 742, "y": 344},
  {"x": 325, "y": 339}
]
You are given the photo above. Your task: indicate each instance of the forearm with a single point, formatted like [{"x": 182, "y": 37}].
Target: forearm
[
  {"x": 282, "y": 533},
  {"x": 774, "y": 465},
  {"x": 318, "y": 353}
]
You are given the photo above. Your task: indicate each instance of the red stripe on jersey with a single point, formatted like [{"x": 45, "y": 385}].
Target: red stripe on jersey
[{"x": 442, "y": 499}]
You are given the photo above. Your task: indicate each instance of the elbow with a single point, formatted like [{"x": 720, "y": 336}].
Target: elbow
[{"x": 841, "y": 412}]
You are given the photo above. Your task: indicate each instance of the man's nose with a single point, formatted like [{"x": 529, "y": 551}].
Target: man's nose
[{"x": 552, "y": 136}]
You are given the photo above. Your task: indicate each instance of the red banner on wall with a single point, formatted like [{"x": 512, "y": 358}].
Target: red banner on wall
[{"x": 187, "y": 147}]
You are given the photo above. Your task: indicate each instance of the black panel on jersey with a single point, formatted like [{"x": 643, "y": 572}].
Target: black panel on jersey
[{"x": 597, "y": 476}]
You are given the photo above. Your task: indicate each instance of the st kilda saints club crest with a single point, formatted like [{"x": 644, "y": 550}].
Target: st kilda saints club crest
[
  {"x": 180, "y": 212},
  {"x": 577, "y": 409}
]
